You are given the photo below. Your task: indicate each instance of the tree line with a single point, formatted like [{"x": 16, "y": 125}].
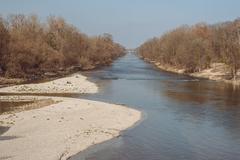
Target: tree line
[
  {"x": 29, "y": 47},
  {"x": 195, "y": 48}
]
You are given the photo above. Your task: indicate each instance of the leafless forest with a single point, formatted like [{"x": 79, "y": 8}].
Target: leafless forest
[
  {"x": 29, "y": 47},
  {"x": 194, "y": 48}
]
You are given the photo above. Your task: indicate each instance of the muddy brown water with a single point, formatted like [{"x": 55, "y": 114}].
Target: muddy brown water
[
  {"x": 186, "y": 118},
  {"x": 6, "y": 106}
]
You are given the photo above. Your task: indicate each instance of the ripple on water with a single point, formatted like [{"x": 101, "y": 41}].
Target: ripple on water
[{"x": 187, "y": 118}]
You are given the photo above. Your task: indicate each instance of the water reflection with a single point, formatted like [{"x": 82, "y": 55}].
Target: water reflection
[
  {"x": 187, "y": 118},
  {"x": 204, "y": 92}
]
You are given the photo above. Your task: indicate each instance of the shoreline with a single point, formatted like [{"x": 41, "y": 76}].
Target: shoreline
[
  {"x": 65, "y": 85},
  {"x": 64, "y": 128},
  {"x": 99, "y": 145},
  {"x": 204, "y": 74},
  {"x": 52, "y": 75}
]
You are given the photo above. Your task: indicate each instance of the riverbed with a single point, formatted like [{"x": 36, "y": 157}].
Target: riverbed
[
  {"x": 185, "y": 118},
  {"x": 52, "y": 128}
]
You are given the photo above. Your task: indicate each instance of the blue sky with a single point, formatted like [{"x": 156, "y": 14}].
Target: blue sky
[{"x": 131, "y": 22}]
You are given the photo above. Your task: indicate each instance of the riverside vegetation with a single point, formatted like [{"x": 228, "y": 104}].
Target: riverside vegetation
[
  {"x": 30, "y": 49},
  {"x": 192, "y": 49}
]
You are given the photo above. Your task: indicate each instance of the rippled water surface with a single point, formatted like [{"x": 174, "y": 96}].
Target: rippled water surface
[{"x": 185, "y": 118}]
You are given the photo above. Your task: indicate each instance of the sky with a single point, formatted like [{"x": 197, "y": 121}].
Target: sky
[{"x": 131, "y": 22}]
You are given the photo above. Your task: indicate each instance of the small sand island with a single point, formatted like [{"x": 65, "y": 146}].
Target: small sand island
[
  {"x": 75, "y": 83},
  {"x": 53, "y": 128}
]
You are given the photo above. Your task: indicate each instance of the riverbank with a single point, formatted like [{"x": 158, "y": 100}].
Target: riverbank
[
  {"x": 8, "y": 81},
  {"x": 63, "y": 128},
  {"x": 75, "y": 83},
  {"x": 217, "y": 72}
]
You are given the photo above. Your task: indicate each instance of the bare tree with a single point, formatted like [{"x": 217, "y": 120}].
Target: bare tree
[{"x": 195, "y": 48}]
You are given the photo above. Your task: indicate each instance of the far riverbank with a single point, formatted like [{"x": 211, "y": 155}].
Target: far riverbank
[{"x": 217, "y": 72}]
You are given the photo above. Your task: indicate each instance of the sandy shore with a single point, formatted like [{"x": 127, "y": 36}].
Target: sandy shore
[
  {"x": 217, "y": 72},
  {"x": 75, "y": 83},
  {"x": 62, "y": 129}
]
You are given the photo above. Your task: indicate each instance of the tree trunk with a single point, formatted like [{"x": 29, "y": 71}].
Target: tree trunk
[{"x": 234, "y": 73}]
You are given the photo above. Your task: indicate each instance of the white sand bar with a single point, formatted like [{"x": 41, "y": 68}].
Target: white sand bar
[
  {"x": 63, "y": 129},
  {"x": 75, "y": 83}
]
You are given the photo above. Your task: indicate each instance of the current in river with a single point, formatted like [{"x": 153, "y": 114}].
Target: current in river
[{"x": 184, "y": 118}]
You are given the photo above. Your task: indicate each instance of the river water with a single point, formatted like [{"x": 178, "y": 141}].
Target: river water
[{"x": 184, "y": 118}]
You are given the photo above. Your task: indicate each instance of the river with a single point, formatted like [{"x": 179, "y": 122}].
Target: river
[{"x": 184, "y": 118}]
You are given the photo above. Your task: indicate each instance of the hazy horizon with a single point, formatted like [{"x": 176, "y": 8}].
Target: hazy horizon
[{"x": 130, "y": 22}]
